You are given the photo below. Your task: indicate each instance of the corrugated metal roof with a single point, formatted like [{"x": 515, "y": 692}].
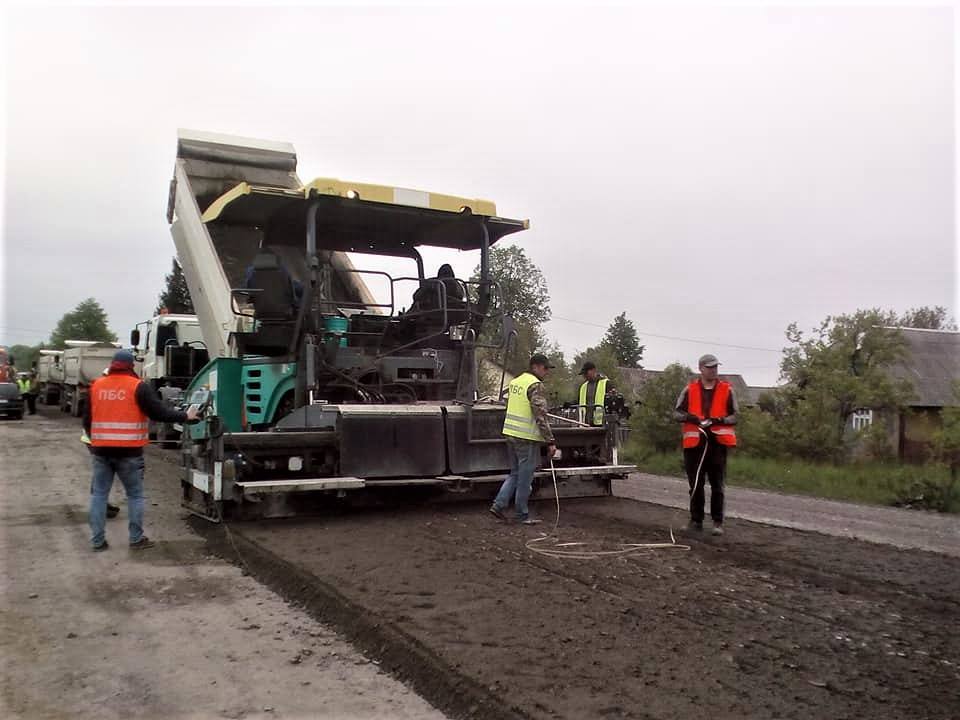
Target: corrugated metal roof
[{"x": 932, "y": 364}]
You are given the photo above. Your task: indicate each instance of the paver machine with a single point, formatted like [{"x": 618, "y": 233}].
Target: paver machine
[{"x": 317, "y": 390}]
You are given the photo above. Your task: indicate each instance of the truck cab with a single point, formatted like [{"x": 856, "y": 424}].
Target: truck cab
[{"x": 169, "y": 349}]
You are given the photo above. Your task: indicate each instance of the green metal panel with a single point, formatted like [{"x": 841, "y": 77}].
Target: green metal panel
[
  {"x": 264, "y": 385},
  {"x": 222, "y": 377}
]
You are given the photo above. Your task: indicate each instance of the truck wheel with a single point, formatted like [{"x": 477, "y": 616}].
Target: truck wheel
[{"x": 75, "y": 405}]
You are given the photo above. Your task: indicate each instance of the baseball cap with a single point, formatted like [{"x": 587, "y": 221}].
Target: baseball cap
[
  {"x": 541, "y": 359},
  {"x": 708, "y": 361},
  {"x": 123, "y": 357},
  {"x": 587, "y": 366}
]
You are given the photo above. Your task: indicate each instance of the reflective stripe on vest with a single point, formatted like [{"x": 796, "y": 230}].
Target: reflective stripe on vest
[
  {"x": 598, "y": 397},
  {"x": 519, "y": 421},
  {"x": 725, "y": 434},
  {"x": 115, "y": 418}
]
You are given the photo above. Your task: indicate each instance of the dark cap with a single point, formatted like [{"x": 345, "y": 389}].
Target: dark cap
[
  {"x": 587, "y": 366},
  {"x": 123, "y": 357},
  {"x": 541, "y": 359},
  {"x": 708, "y": 361}
]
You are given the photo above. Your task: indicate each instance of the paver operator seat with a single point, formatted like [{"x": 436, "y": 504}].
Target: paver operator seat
[{"x": 273, "y": 297}]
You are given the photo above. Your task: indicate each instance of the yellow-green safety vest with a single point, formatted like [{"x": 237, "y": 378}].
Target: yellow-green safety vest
[
  {"x": 25, "y": 385},
  {"x": 519, "y": 421},
  {"x": 598, "y": 399}
]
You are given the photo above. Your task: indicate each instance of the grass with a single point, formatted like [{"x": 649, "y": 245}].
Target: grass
[{"x": 926, "y": 486}]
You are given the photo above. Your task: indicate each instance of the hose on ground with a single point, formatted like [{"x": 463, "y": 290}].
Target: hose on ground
[{"x": 577, "y": 550}]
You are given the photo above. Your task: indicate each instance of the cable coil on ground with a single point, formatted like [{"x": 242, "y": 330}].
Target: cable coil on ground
[{"x": 557, "y": 551}]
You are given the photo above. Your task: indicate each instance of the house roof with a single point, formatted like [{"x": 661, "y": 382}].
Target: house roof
[
  {"x": 636, "y": 377},
  {"x": 752, "y": 398},
  {"x": 932, "y": 364}
]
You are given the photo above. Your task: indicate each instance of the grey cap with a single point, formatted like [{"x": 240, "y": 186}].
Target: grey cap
[{"x": 708, "y": 361}]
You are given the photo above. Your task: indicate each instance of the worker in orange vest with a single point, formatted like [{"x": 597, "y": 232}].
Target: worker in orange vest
[
  {"x": 115, "y": 419},
  {"x": 708, "y": 411}
]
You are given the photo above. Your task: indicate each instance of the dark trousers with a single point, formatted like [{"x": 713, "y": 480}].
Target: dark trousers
[
  {"x": 713, "y": 470},
  {"x": 31, "y": 399}
]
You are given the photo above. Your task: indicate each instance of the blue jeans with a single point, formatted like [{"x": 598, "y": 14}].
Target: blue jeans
[
  {"x": 523, "y": 462},
  {"x": 130, "y": 472}
]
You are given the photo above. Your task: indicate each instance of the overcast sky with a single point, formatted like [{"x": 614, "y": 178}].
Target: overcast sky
[{"x": 716, "y": 173}]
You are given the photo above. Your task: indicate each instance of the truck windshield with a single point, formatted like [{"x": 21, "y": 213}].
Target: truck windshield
[{"x": 165, "y": 333}]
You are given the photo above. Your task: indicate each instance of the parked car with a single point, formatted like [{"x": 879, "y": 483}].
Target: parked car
[{"x": 11, "y": 403}]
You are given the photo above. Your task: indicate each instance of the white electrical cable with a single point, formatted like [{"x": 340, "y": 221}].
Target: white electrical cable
[
  {"x": 585, "y": 554},
  {"x": 706, "y": 445}
]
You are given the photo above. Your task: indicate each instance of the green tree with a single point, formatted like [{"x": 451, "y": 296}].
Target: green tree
[
  {"x": 559, "y": 384},
  {"x": 840, "y": 367},
  {"x": 929, "y": 318},
  {"x": 25, "y": 355},
  {"x": 175, "y": 297},
  {"x": 621, "y": 337},
  {"x": 758, "y": 433},
  {"x": 87, "y": 321},
  {"x": 653, "y": 422},
  {"x": 524, "y": 296}
]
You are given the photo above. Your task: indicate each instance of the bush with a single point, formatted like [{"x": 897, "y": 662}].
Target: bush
[
  {"x": 924, "y": 486},
  {"x": 758, "y": 434},
  {"x": 653, "y": 422},
  {"x": 931, "y": 493},
  {"x": 876, "y": 443}
]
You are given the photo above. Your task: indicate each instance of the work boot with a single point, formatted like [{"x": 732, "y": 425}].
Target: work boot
[
  {"x": 101, "y": 547},
  {"x": 694, "y": 526},
  {"x": 142, "y": 544},
  {"x": 112, "y": 510},
  {"x": 497, "y": 513},
  {"x": 717, "y": 529}
]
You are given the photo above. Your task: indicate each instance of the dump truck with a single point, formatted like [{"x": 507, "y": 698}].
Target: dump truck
[
  {"x": 317, "y": 390},
  {"x": 49, "y": 376},
  {"x": 7, "y": 369},
  {"x": 83, "y": 362},
  {"x": 169, "y": 351}
]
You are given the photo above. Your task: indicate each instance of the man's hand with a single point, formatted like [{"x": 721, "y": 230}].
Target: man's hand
[
  {"x": 716, "y": 421},
  {"x": 551, "y": 450},
  {"x": 706, "y": 423},
  {"x": 192, "y": 413}
]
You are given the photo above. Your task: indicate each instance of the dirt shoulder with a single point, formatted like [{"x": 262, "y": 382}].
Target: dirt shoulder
[{"x": 171, "y": 632}]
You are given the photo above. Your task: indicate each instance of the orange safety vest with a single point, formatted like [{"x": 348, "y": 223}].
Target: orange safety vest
[
  {"x": 724, "y": 434},
  {"x": 115, "y": 418}
]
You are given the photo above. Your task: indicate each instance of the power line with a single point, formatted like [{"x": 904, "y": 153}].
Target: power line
[{"x": 673, "y": 337}]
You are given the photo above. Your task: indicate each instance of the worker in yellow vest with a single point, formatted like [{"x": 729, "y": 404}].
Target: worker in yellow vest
[
  {"x": 29, "y": 388},
  {"x": 708, "y": 412},
  {"x": 526, "y": 428},
  {"x": 593, "y": 395}
]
